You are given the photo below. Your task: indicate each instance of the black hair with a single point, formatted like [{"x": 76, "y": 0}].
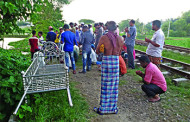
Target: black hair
[
  {"x": 51, "y": 28},
  {"x": 157, "y": 23},
  {"x": 40, "y": 32},
  {"x": 66, "y": 26},
  {"x": 101, "y": 24},
  {"x": 96, "y": 24},
  {"x": 89, "y": 25},
  {"x": 84, "y": 27},
  {"x": 144, "y": 59},
  {"x": 124, "y": 36},
  {"x": 133, "y": 21},
  {"x": 111, "y": 26},
  {"x": 71, "y": 23},
  {"x": 33, "y": 32}
]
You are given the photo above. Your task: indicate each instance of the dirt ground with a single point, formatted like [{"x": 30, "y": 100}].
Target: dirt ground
[{"x": 133, "y": 105}]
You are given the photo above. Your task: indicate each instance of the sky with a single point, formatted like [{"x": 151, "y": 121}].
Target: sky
[{"x": 118, "y": 10}]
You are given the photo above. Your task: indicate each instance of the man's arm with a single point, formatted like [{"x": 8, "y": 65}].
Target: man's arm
[
  {"x": 62, "y": 38},
  {"x": 129, "y": 33},
  {"x": 47, "y": 37},
  {"x": 75, "y": 41},
  {"x": 99, "y": 44},
  {"x": 152, "y": 42}
]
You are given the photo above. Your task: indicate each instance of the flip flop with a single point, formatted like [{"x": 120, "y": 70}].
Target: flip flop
[{"x": 97, "y": 110}]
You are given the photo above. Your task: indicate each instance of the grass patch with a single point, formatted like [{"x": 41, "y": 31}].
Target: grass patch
[
  {"x": 169, "y": 54},
  {"x": 178, "y": 41}
]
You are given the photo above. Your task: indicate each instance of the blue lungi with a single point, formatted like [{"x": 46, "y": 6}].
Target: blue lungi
[{"x": 109, "y": 84}]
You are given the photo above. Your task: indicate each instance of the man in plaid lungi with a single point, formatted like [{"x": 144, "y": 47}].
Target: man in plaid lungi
[{"x": 110, "y": 70}]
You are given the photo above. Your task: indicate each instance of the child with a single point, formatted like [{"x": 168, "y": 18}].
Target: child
[
  {"x": 33, "y": 41},
  {"x": 41, "y": 40}
]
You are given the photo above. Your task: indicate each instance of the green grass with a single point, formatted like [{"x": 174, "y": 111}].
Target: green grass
[
  {"x": 53, "y": 106},
  {"x": 178, "y": 41},
  {"x": 169, "y": 54}
]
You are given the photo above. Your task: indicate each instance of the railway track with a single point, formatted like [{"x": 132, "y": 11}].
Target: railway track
[
  {"x": 173, "y": 66},
  {"x": 181, "y": 49}
]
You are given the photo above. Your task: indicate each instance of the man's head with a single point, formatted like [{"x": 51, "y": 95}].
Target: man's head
[
  {"x": 156, "y": 24},
  {"x": 60, "y": 30},
  {"x": 33, "y": 32},
  {"x": 50, "y": 27},
  {"x": 85, "y": 28},
  {"x": 40, "y": 33},
  {"x": 101, "y": 24},
  {"x": 111, "y": 26},
  {"x": 56, "y": 31},
  {"x": 96, "y": 25},
  {"x": 126, "y": 29},
  {"x": 144, "y": 61},
  {"x": 89, "y": 26},
  {"x": 82, "y": 24},
  {"x": 71, "y": 24},
  {"x": 66, "y": 27},
  {"x": 132, "y": 22},
  {"x": 75, "y": 24},
  {"x": 124, "y": 37}
]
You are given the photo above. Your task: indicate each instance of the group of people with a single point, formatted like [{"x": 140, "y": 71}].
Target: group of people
[{"x": 113, "y": 53}]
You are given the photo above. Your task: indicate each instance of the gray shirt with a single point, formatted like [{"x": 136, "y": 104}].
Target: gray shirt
[
  {"x": 86, "y": 40},
  {"x": 131, "y": 40}
]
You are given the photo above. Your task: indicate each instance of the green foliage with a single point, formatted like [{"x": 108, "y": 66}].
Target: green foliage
[
  {"x": 87, "y": 21},
  {"x": 11, "y": 88},
  {"x": 13, "y": 10},
  {"x": 179, "y": 27}
]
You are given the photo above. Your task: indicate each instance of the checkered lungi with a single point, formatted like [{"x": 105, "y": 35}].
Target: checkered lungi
[
  {"x": 109, "y": 84},
  {"x": 155, "y": 60}
]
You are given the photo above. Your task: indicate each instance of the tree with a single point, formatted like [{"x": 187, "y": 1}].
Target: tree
[{"x": 87, "y": 21}]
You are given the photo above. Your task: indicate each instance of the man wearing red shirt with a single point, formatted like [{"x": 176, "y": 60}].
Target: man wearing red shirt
[{"x": 33, "y": 41}]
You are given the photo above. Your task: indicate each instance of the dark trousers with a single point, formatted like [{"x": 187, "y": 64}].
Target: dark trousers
[
  {"x": 32, "y": 54},
  {"x": 131, "y": 63},
  {"x": 151, "y": 89}
]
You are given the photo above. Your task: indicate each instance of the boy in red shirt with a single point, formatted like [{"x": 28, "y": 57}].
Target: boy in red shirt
[{"x": 33, "y": 41}]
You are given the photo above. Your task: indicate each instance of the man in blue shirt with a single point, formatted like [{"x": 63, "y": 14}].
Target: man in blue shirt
[
  {"x": 130, "y": 43},
  {"x": 69, "y": 40},
  {"x": 86, "y": 40},
  {"x": 51, "y": 36}
]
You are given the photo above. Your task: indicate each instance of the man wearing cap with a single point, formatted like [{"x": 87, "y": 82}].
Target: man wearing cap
[
  {"x": 86, "y": 40},
  {"x": 69, "y": 40},
  {"x": 51, "y": 36}
]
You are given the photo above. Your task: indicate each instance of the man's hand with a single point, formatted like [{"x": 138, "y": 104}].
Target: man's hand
[
  {"x": 139, "y": 73},
  {"x": 147, "y": 40}
]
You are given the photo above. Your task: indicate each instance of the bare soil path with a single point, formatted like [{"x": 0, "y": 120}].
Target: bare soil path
[{"x": 133, "y": 105}]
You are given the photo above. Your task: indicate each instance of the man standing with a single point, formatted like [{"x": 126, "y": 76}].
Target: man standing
[
  {"x": 110, "y": 70},
  {"x": 33, "y": 41},
  {"x": 72, "y": 27},
  {"x": 86, "y": 41},
  {"x": 99, "y": 32},
  {"x": 153, "y": 79},
  {"x": 51, "y": 36},
  {"x": 91, "y": 29},
  {"x": 130, "y": 42},
  {"x": 155, "y": 46},
  {"x": 69, "y": 40}
]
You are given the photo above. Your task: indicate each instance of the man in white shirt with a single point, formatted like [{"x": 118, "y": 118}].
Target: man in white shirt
[{"x": 155, "y": 46}]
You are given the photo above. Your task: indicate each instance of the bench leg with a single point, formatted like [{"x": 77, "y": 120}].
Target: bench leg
[{"x": 69, "y": 96}]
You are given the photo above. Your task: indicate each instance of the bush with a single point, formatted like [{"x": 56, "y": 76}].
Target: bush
[{"x": 11, "y": 88}]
